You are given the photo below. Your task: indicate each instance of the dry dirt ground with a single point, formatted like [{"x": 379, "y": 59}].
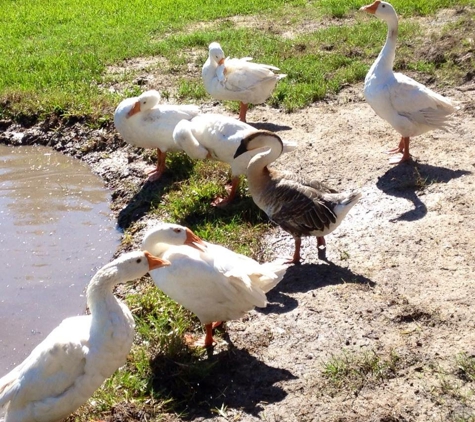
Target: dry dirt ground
[{"x": 377, "y": 332}]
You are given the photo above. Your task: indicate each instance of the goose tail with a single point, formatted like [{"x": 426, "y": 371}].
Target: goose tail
[
  {"x": 272, "y": 274},
  {"x": 352, "y": 198}
]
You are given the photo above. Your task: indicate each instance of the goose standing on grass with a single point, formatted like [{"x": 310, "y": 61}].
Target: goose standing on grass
[
  {"x": 218, "y": 137},
  {"x": 213, "y": 282},
  {"x": 144, "y": 123},
  {"x": 65, "y": 369},
  {"x": 408, "y": 106},
  {"x": 300, "y": 207},
  {"x": 238, "y": 79}
]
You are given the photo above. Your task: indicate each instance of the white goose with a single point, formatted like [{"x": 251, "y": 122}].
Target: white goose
[
  {"x": 301, "y": 207},
  {"x": 216, "y": 136},
  {"x": 238, "y": 79},
  {"x": 213, "y": 282},
  {"x": 143, "y": 122},
  {"x": 408, "y": 106},
  {"x": 65, "y": 369}
]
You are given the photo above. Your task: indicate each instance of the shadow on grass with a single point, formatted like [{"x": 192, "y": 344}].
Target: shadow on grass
[
  {"x": 306, "y": 277},
  {"x": 232, "y": 379},
  {"x": 179, "y": 167},
  {"x": 407, "y": 179}
]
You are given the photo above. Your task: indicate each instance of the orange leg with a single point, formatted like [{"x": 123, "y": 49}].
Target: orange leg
[
  {"x": 399, "y": 149},
  {"x": 242, "y": 112},
  {"x": 322, "y": 248},
  {"x": 405, "y": 155},
  {"x": 157, "y": 172},
  {"x": 296, "y": 258},
  {"x": 222, "y": 202},
  {"x": 208, "y": 340},
  {"x": 404, "y": 148},
  {"x": 321, "y": 242}
]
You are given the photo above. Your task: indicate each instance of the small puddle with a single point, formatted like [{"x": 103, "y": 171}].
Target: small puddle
[{"x": 56, "y": 230}]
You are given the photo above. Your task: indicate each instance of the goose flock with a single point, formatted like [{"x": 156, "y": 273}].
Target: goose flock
[{"x": 213, "y": 282}]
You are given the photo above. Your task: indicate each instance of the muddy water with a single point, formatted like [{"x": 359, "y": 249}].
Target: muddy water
[{"x": 55, "y": 231}]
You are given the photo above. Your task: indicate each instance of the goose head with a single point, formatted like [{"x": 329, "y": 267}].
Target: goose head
[
  {"x": 259, "y": 140},
  {"x": 126, "y": 267},
  {"x": 144, "y": 102},
  {"x": 381, "y": 9},
  {"x": 171, "y": 234},
  {"x": 216, "y": 53}
]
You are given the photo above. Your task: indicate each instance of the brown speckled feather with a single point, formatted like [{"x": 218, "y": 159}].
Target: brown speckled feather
[{"x": 299, "y": 206}]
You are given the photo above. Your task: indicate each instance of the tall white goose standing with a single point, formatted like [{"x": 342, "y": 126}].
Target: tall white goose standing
[
  {"x": 301, "y": 207},
  {"x": 408, "y": 106},
  {"x": 65, "y": 369},
  {"x": 213, "y": 282},
  {"x": 216, "y": 136},
  {"x": 238, "y": 79},
  {"x": 144, "y": 123}
]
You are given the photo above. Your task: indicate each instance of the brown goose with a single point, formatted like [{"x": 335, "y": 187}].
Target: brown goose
[{"x": 300, "y": 207}]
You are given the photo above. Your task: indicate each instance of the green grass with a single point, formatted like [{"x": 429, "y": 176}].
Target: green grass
[
  {"x": 54, "y": 55},
  {"x": 353, "y": 371},
  {"x": 187, "y": 202}
]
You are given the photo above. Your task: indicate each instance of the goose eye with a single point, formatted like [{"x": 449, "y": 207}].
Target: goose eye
[
  {"x": 139, "y": 260},
  {"x": 177, "y": 230},
  {"x": 383, "y": 5}
]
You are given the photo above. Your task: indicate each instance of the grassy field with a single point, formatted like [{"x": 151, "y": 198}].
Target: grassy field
[
  {"x": 53, "y": 55},
  {"x": 53, "y": 60}
]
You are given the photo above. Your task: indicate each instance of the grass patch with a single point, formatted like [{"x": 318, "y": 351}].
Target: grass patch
[
  {"x": 465, "y": 367},
  {"x": 353, "y": 372},
  {"x": 187, "y": 201},
  {"x": 54, "y": 56}
]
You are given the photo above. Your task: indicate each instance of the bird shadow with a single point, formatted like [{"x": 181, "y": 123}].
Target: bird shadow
[
  {"x": 306, "y": 277},
  {"x": 269, "y": 126},
  {"x": 179, "y": 167},
  {"x": 409, "y": 179},
  {"x": 232, "y": 378}
]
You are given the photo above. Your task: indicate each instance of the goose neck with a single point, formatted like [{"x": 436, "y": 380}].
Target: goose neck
[
  {"x": 385, "y": 60},
  {"x": 100, "y": 294}
]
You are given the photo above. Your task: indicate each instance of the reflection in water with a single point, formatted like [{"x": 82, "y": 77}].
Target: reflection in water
[{"x": 55, "y": 231}]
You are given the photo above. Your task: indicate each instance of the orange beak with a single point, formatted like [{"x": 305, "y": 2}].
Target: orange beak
[
  {"x": 371, "y": 8},
  {"x": 221, "y": 61},
  {"x": 134, "y": 110},
  {"x": 154, "y": 262},
  {"x": 194, "y": 241}
]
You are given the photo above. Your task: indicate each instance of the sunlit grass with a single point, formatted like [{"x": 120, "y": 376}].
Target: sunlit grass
[
  {"x": 353, "y": 371},
  {"x": 53, "y": 56}
]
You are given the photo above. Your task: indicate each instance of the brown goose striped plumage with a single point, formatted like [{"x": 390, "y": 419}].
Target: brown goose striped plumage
[{"x": 299, "y": 206}]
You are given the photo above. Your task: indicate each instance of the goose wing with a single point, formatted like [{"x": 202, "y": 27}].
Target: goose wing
[
  {"x": 242, "y": 75},
  {"x": 300, "y": 208},
  {"x": 417, "y": 102},
  {"x": 52, "y": 367}
]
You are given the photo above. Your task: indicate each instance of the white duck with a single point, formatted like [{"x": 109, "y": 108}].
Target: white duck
[
  {"x": 143, "y": 122},
  {"x": 301, "y": 207},
  {"x": 238, "y": 79},
  {"x": 216, "y": 136},
  {"x": 211, "y": 281},
  {"x": 408, "y": 106},
  {"x": 65, "y": 369}
]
